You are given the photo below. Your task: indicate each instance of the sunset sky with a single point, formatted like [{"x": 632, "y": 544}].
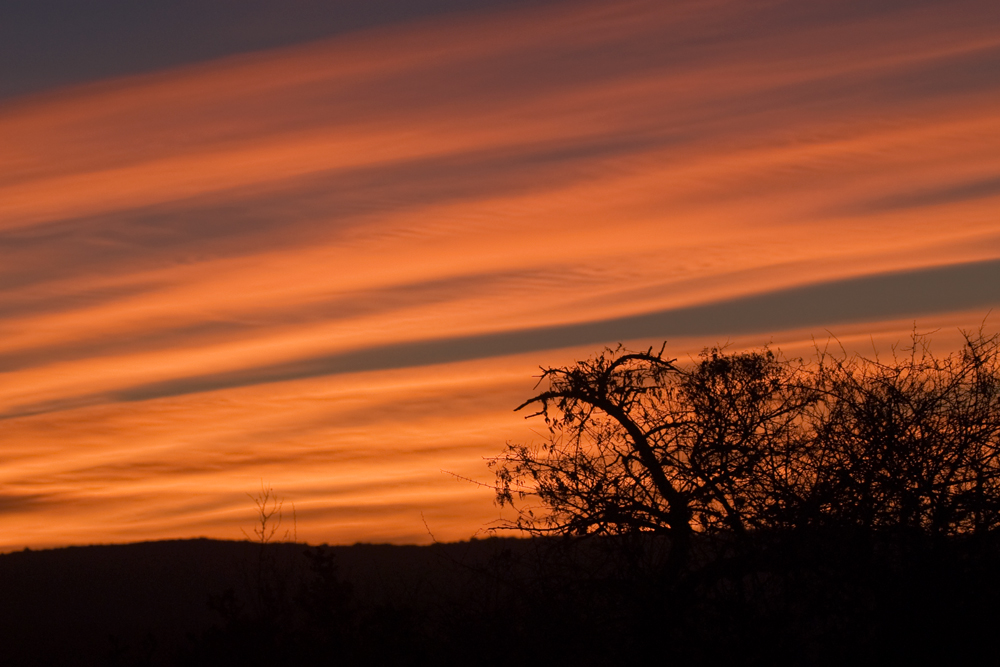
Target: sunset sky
[{"x": 326, "y": 245}]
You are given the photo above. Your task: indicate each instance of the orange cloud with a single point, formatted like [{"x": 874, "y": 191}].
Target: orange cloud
[{"x": 334, "y": 266}]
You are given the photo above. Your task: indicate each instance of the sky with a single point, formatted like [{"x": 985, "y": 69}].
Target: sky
[{"x": 325, "y": 246}]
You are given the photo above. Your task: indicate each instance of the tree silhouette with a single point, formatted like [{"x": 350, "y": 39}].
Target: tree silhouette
[{"x": 740, "y": 443}]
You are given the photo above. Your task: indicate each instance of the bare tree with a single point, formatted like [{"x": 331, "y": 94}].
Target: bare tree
[
  {"x": 639, "y": 444},
  {"x": 268, "y": 576},
  {"x": 269, "y": 517}
]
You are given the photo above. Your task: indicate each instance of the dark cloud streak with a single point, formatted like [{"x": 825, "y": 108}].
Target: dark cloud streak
[
  {"x": 17, "y": 503},
  {"x": 240, "y": 326},
  {"x": 905, "y": 294},
  {"x": 897, "y": 295},
  {"x": 49, "y": 43},
  {"x": 292, "y": 212},
  {"x": 930, "y": 196}
]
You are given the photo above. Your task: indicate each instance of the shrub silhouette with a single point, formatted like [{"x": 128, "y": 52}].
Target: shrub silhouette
[
  {"x": 750, "y": 442},
  {"x": 910, "y": 443}
]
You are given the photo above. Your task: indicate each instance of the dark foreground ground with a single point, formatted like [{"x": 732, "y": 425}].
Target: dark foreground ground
[{"x": 820, "y": 599}]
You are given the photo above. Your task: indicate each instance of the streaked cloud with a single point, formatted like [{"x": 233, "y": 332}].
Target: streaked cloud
[{"x": 330, "y": 252}]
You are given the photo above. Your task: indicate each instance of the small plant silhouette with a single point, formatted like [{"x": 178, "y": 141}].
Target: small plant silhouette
[{"x": 269, "y": 517}]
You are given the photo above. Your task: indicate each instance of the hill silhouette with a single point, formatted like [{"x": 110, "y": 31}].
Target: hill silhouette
[
  {"x": 820, "y": 598},
  {"x": 152, "y": 602}
]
